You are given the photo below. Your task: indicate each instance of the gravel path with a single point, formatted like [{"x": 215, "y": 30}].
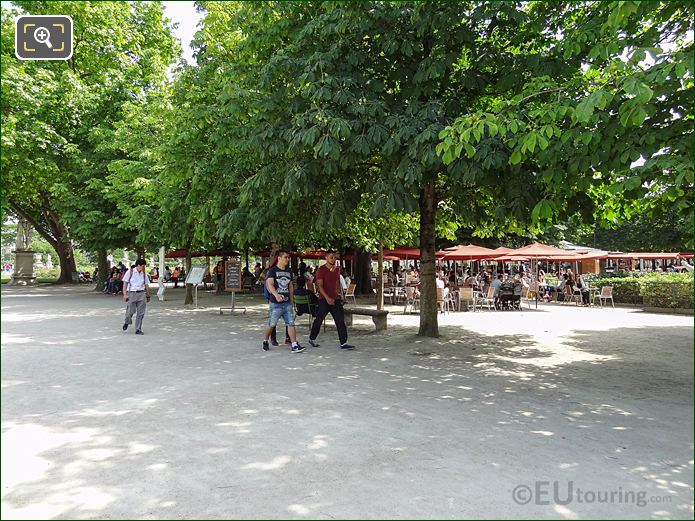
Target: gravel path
[{"x": 194, "y": 420}]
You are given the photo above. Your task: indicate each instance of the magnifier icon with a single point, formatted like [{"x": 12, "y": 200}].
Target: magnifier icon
[{"x": 43, "y": 35}]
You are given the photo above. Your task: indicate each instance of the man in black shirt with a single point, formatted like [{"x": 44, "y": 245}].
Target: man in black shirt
[{"x": 278, "y": 283}]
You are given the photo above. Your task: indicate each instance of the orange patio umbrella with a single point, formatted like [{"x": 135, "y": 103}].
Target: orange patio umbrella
[
  {"x": 404, "y": 253},
  {"x": 467, "y": 252},
  {"x": 537, "y": 251},
  {"x": 375, "y": 256}
]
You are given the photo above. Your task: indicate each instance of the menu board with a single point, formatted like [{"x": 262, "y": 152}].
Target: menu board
[
  {"x": 195, "y": 276},
  {"x": 232, "y": 275}
]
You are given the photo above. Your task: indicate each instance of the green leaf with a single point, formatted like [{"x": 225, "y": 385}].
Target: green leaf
[
  {"x": 470, "y": 151},
  {"x": 639, "y": 116},
  {"x": 530, "y": 141},
  {"x": 632, "y": 183},
  {"x": 542, "y": 211},
  {"x": 515, "y": 157},
  {"x": 584, "y": 110},
  {"x": 626, "y": 117}
]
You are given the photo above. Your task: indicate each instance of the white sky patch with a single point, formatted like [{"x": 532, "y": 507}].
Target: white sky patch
[{"x": 185, "y": 15}]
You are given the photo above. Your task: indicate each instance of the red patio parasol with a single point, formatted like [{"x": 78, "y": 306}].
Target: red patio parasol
[{"x": 467, "y": 252}]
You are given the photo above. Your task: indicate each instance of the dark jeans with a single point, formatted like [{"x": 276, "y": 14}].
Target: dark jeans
[{"x": 336, "y": 311}]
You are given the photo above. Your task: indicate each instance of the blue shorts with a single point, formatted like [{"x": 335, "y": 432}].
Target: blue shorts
[{"x": 284, "y": 310}]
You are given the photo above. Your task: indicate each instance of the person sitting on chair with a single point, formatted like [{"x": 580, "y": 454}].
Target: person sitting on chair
[
  {"x": 496, "y": 284},
  {"x": 313, "y": 299},
  {"x": 247, "y": 278},
  {"x": 579, "y": 285},
  {"x": 346, "y": 277}
]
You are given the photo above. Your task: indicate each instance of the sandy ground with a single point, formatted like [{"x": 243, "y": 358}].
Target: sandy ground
[{"x": 194, "y": 420}]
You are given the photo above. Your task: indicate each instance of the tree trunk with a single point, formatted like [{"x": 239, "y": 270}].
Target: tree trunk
[
  {"x": 67, "y": 261},
  {"x": 49, "y": 226},
  {"x": 363, "y": 277},
  {"x": 189, "y": 287},
  {"x": 274, "y": 248},
  {"x": 380, "y": 279},
  {"x": 103, "y": 265},
  {"x": 140, "y": 252},
  {"x": 294, "y": 261},
  {"x": 428, "y": 288}
]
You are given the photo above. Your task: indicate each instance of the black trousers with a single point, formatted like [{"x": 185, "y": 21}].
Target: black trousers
[
  {"x": 336, "y": 311},
  {"x": 274, "y": 334}
]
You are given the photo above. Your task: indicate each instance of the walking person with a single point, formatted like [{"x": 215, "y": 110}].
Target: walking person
[
  {"x": 274, "y": 332},
  {"x": 136, "y": 293},
  {"x": 278, "y": 282},
  {"x": 175, "y": 276},
  {"x": 330, "y": 301}
]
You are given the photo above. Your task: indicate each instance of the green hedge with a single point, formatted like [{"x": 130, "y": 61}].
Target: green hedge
[
  {"x": 668, "y": 294},
  {"x": 659, "y": 290},
  {"x": 625, "y": 290}
]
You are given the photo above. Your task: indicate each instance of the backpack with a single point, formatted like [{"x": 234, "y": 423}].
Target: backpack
[{"x": 130, "y": 278}]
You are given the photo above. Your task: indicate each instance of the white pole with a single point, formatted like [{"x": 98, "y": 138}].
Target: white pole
[{"x": 160, "y": 291}]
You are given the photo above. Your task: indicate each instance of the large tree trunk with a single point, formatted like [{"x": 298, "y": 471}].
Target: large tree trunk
[
  {"x": 49, "y": 226},
  {"x": 294, "y": 261},
  {"x": 363, "y": 278},
  {"x": 189, "y": 287},
  {"x": 380, "y": 279},
  {"x": 274, "y": 248},
  {"x": 428, "y": 288},
  {"x": 67, "y": 261},
  {"x": 103, "y": 265}
]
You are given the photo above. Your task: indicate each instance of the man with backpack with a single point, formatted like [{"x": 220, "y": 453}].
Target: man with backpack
[
  {"x": 136, "y": 294},
  {"x": 280, "y": 294}
]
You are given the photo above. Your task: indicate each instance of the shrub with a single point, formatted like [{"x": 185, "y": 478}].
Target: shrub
[
  {"x": 626, "y": 290},
  {"x": 668, "y": 292},
  {"x": 664, "y": 290}
]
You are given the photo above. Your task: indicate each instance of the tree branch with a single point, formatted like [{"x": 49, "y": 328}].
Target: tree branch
[{"x": 35, "y": 223}]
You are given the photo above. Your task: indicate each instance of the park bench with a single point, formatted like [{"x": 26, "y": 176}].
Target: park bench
[{"x": 378, "y": 316}]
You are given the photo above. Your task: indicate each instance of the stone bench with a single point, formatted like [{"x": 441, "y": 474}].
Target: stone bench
[{"x": 378, "y": 316}]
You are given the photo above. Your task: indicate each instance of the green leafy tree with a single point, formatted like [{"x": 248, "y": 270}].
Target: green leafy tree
[
  {"x": 57, "y": 180},
  {"x": 349, "y": 99},
  {"x": 608, "y": 139}
]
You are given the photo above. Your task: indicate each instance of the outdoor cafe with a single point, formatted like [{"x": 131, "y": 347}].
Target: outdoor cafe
[{"x": 467, "y": 276}]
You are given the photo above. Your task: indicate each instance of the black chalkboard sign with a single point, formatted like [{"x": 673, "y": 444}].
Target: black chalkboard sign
[{"x": 232, "y": 275}]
